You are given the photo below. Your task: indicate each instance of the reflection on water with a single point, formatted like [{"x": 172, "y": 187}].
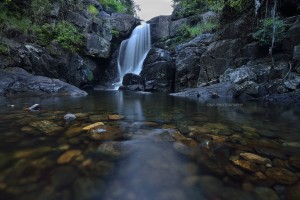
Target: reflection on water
[{"x": 164, "y": 148}]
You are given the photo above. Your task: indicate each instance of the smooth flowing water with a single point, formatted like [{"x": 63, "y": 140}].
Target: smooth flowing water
[
  {"x": 134, "y": 50},
  {"x": 150, "y": 146}
]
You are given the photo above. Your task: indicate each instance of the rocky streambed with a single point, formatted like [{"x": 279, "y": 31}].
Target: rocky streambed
[{"x": 142, "y": 146}]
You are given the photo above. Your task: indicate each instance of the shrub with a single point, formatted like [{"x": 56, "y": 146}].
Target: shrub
[
  {"x": 187, "y": 31},
  {"x": 115, "y": 5},
  {"x": 264, "y": 32},
  {"x": 114, "y": 32},
  {"x": 68, "y": 36},
  {"x": 93, "y": 10},
  {"x": 4, "y": 48},
  {"x": 65, "y": 33},
  {"x": 40, "y": 9}
]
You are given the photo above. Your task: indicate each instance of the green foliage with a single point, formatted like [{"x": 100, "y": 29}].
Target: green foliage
[
  {"x": 4, "y": 48},
  {"x": 192, "y": 7},
  {"x": 40, "y": 10},
  {"x": 10, "y": 19},
  {"x": 93, "y": 10},
  {"x": 187, "y": 31},
  {"x": 65, "y": 33},
  {"x": 115, "y": 5},
  {"x": 115, "y": 33},
  {"x": 265, "y": 31},
  {"x": 68, "y": 36}
]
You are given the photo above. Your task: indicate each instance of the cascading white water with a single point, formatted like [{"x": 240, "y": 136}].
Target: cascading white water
[{"x": 133, "y": 51}]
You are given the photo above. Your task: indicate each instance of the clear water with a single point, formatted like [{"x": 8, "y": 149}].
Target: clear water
[{"x": 165, "y": 148}]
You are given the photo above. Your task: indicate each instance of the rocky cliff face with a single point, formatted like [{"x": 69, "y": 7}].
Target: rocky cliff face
[
  {"x": 231, "y": 56},
  {"x": 102, "y": 33}
]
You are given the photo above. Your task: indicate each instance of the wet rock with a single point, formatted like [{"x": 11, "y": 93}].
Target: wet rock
[
  {"x": 110, "y": 149},
  {"x": 293, "y": 192},
  {"x": 73, "y": 131},
  {"x": 48, "y": 127},
  {"x": 295, "y": 161},
  {"x": 35, "y": 107},
  {"x": 246, "y": 165},
  {"x": 32, "y": 152},
  {"x": 233, "y": 171},
  {"x": 282, "y": 176},
  {"x": 264, "y": 193},
  {"x": 211, "y": 185},
  {"x": 115, "y": 117},
  {"x": 69, "y": 117},
  {"x": 81, "y": 116},
  {"x": 62, "y": 176},
  {"x": 87, "y": 189},
  {"x": 105, "y": 133},
  {"x": 27, "y": 129},
  {"x": 92, "y": 126},
  {"x": 238, "y": 76},
  {"x": 42, "y": 163},
  {"x": 260, "y": 176},
  {"x": 97, "y": 118},
  {"x": 68, "y": 156},
  {"x": 270, "y": 152},
  {"x": 182, "y": 149},
  {"x": 102, "y": 168},
  {"x": 255, "y": 158},
  {"x": 291, "y": 144}
]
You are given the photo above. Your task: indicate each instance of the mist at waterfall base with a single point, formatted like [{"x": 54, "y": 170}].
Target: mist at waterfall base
[{"x": 133, "y": 52}]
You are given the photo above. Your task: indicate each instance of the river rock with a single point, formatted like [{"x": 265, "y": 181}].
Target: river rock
[
  {"x": 68, "y": 156},
  {"x": 92, "y": 126},
  {"x": 25, "y": 153},
  {"x": 264, "y": 193},
  {"x": 270, "y": 152},
  {"x": 233, "y": 171},
  {"x": 105, "y": 133},
  {"x": 282, "y": 176},
  {"x": 293, "y": 192},
  {"x": 87, "y": 188},
  {"x": 62, "y": 176},
  {"x": 115, "y": 117},
  {"x": 255, "y": 158},
  {"x": 69, "y": 117},
  {"x": 295, "y": 161},
  {"x": 73, "y": 131},
  {"x": 48, "y": 127},
  {"x": 248, "y": 166}
]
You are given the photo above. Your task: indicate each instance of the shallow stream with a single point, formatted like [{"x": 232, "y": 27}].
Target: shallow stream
[{"x": 148, "y": 146}]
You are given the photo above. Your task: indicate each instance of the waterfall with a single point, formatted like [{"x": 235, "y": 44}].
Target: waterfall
[{"x": 133, "y": 51}]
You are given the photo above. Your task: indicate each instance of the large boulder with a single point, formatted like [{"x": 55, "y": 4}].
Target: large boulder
[
  {"x": 292, "y": 38},
  {"x": 132, "y": 82},
  {"x": 188, "y": 67},
  {"x": 19, "y": 81},
  {"x": 160, "y": 27},
  {"x": 220, "y": 55},
  {"x": 159, "y": 70},
  {"x": 123, "y": 23},
  {"x": 97, "y": 46},
  {"x": 238, "y": 75}
]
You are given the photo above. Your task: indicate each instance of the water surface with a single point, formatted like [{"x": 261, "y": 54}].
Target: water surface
[{"x": 164, "y": 148}]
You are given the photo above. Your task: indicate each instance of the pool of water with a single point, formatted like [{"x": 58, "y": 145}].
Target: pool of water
[{"x": 147, "y": 146}]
